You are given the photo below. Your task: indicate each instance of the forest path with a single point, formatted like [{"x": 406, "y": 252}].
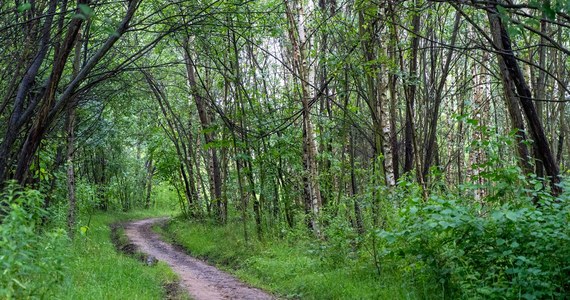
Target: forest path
[{"x": 202, "y": 281}]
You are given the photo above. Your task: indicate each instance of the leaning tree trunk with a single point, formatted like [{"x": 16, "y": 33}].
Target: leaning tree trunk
[
  {"x": 21, "y": 115},
  {"x": 512, "y": 74},
  {"x": 214, "y": 173},
  {"x": 52, "y": 103}
]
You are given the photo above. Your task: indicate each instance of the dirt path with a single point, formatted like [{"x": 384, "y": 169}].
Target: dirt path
[{"x": 201, "y": 280}]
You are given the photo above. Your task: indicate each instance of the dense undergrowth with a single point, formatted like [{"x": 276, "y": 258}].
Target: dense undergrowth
[
  {"x": 40, "y": 262},
  {"x": 442, "y": 247},
  {"x": 511, "y": 251},
  {"x": 31, "y": 260}
]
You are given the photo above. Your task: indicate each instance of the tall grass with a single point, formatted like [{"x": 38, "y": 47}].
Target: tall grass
[
  {"x": 96, "y": 271},
  {"x": 295, "y": 266}
]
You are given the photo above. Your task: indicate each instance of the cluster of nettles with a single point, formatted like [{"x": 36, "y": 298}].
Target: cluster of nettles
[{"x": 512, "y": 250}]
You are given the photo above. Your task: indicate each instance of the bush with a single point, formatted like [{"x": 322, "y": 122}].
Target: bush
[
  {"x": 511, "y": 251},
  {"x": 30, "y": 260}
]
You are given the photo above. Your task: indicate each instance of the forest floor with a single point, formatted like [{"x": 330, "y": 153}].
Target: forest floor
[{"x": 202, "y": 281}]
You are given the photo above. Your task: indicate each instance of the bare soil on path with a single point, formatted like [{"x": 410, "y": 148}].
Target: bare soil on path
[{"x": 202, "y": 281}]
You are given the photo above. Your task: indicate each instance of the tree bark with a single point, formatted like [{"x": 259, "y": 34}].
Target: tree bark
[{"x": 481, "y": 95}]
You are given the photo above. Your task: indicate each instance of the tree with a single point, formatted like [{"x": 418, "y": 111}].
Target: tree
[{"x": 299, "y": 44}]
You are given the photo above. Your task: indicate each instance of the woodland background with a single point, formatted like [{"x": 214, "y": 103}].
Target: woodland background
[{"x": 422, "y": 138}]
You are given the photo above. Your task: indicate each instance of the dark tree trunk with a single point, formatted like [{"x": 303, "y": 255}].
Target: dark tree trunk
[
  {"x": 513, "y": 74},
  {"x": 430, "y": 146},
  {"x": 410, "y": 97},
  {"x": 214, "y": 173},
  {"x": 19, "y": 116}
]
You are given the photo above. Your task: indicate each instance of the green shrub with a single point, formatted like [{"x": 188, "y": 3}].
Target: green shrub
[
  {"x": 510, "y": 251},
  {"x": 31, "y": 262}
]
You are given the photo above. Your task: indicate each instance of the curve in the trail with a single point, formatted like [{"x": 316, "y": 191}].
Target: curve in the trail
[{"x": 202, "y": 281}]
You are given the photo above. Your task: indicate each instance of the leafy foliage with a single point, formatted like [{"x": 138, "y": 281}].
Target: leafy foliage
[
  {"x": 31, "y": 261},
  {"x": 509, "y": 251}
]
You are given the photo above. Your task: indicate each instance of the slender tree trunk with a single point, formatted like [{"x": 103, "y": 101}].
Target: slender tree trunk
[
  {"x": 177, "y": 134},
  {"x": 70, "y": 128},
  {"x": 237, "y": 78},
  {"x": 243, "y": 197},
  {"x": 481, "y": 109},
  {"x": 430, "y": 146},
  {"x": 410, "y": 97},
  {"x": 540, "y": 90},
  {"x": 354, "y": 189},
  {"x": 214, "y": 173},
  {"x": 312, "y": 193},
  {"x": 150, "y": 169},
  {"x": 71, "y": 210}
]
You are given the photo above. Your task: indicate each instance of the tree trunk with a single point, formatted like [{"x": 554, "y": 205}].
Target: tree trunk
[
  {"x": 19, "y": 116},
  {"x": 430, "y": 145},
  {"x": 354, "y": 189},
  {"x": 312, "y": 193},
  {"x": 481, "y": 95},
  {"x": 214, "y": 173},
  {"x": 410, "y": 97},
  {"x": 512, "y": 74},
  {"x": 70, "y": 128},
  {"x": 150, "y": 169},
  {"x": 71, "y": 210}
]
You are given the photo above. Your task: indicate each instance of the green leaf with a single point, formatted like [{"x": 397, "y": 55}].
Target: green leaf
[
  {"x": 497, "y": 215},
  {"x": 473, "y": 122},
  {"x": 514, "y": 30},
  {"x": 532, "y": 22},
  {"x": 84, "y": 229},
  {"x": 511, "y": 215},
  {"x": 86, "y": 10},
  {"x": 548, "y": 11},
  {"x": 79, "y": 16},
  {"x": 502, "y": 13},
  {"x": 18, "y": 283},
  {"x": 413, "y": 210},
  {"x": 24, "y": 6}
]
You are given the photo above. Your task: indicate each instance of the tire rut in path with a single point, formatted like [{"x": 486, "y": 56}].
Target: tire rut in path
[{"x": 202, "y": 281}]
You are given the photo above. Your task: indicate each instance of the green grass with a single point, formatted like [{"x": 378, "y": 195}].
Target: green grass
[
  {"x": 96, "y": 271},
  {"x": 296, "y": 267}
]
